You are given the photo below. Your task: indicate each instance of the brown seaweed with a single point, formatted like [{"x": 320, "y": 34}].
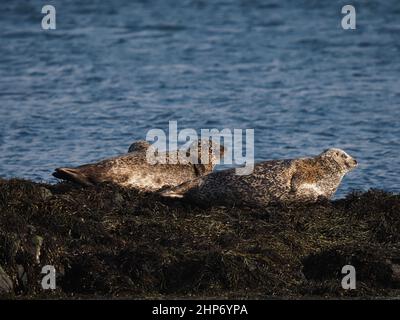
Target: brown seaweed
[{"x": 111, "y": 242}]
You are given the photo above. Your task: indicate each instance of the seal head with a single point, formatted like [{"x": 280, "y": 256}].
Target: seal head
[
  {"x": 344, "y": 161},
  {"x": 141, "y": 145}
]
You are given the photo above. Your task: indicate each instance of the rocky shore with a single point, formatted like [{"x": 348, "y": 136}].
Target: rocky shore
[{"x": 111, "y": 242}]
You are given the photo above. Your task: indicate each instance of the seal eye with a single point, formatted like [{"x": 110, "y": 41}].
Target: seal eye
[{"x": 344, "y": 156}]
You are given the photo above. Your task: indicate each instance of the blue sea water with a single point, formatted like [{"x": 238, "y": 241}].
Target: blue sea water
[{"x": 112, "y": 70}]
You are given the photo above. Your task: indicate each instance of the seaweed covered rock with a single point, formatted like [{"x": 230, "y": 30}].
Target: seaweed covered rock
[{"x": 108, "y": 241}]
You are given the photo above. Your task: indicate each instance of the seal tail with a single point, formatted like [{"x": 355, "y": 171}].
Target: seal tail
[{"x": 73, "y": 175}]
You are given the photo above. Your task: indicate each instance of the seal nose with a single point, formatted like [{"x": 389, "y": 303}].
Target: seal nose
[{"x": 355, "y": 162}]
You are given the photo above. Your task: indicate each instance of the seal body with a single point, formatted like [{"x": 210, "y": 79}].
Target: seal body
[
  {"x": 276, "y": 181},
  {"x": 133, "y": 170}
]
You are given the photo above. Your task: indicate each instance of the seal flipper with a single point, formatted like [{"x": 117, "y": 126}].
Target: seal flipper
[
  {"x": 73, "y": 175},
  {"x": 304, "y": 187},
  {"x": 179, "y": 191}
]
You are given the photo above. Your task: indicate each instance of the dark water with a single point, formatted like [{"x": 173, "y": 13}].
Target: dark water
[{"x": 114, "y": 69}]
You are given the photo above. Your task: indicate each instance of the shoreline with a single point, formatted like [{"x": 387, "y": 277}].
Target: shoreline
[{"x": 107, "y": 241}]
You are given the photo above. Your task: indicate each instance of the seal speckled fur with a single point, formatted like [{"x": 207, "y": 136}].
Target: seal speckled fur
[
  {"x": 134, "y": 171},
  {"x": 304, "y": 179}
]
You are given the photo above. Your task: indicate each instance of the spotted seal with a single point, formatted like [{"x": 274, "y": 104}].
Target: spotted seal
[
  {"x": 133, "y": 169},
  {"x": 291, "y": 180}
]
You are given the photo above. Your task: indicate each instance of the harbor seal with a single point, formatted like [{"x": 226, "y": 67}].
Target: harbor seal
[
  {"x": 141, "y": 145},
  {"x": 133, "y": 169},
  {"x": 276, "y": 181}
]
